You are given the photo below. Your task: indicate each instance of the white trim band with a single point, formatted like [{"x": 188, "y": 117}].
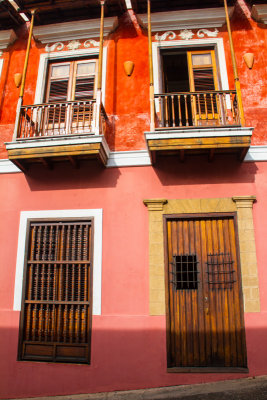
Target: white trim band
[
  {"x": 128, "y": 159},
  {"x": 140, "y": 158},
  {"x": 256, "y": 153},
  {"x": 58, "y": 214},
  {"x": 195, "y": 133}
]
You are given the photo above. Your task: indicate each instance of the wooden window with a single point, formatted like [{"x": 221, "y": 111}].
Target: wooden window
[
  {"x": 192, "y": 74},
  {"x": 71, "y": 80},
  {"x": 56, "y": 306},
  {"x": 205, "y": 322}
]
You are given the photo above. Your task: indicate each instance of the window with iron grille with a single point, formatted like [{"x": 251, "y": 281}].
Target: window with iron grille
[{"x": 56, "y": 306}]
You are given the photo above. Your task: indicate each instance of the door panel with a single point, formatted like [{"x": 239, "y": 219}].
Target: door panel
[{"x": 205, "y": 317}]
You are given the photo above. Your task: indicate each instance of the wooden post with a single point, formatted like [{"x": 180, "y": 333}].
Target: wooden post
[
  {"x": 26, "y": 61},
  {"x": 237, "y": 83},
  {"x": 151, "y": 78},
  {"x": 100, "y": 61},
  {"x": 99, "y": 73},
  {"x": 27, "y": 56}
]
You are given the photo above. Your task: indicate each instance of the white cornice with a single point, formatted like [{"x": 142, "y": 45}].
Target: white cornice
[
  {"x": 193, "y": 19},
  {"x": 6, "y": 38},
  {"x": 85, "y": 29},
  {"x": 259, "y": 12}
]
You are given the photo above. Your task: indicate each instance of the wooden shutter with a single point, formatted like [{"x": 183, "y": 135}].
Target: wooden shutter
[
  {"x": 203, "y": 78},
  {"x": 205, "y": 326},
  {"x": 56, "y": 310}
]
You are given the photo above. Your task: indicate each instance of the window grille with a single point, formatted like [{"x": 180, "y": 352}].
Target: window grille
[
  {"x": 57, "y": 310},
  {"x": 185, "y": 273}
]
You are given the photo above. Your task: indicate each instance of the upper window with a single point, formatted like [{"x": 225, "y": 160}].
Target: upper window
[
  {"x": 71, "y": 80},
  {"x": 189, "y": 71},
  {"x": 190, "y": 76},
  {"x": 56, "y": 305}
]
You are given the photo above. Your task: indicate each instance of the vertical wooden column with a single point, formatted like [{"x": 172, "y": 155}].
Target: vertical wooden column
[
  {"x": 21, "y": 94},
  {"x": 237, "y": 83},
  {"x": 99, "y": 73},
  {"x": 151, "y": 78}
]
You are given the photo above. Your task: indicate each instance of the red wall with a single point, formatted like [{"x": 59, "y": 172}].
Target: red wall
[
  {"x": 127, "y": 98},
  {"x": 128, "y": 345}
]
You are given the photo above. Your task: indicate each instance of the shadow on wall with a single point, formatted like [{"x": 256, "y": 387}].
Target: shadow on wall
[
  {"x": 91, "y": 174},
  {"x": 127, "y": 353},
  {"x": 169, "y": 170},
  {"x": 197, "y": 170}
]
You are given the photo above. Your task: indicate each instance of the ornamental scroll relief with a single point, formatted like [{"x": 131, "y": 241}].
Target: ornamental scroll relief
[
  {"x": 186, "y": 34},
  {"x": 72, "y": 45}
]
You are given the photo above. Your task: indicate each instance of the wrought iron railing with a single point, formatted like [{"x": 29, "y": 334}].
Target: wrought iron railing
[
  {"x": 196, "y": 109},
  {"x": 57, "y": 119}
]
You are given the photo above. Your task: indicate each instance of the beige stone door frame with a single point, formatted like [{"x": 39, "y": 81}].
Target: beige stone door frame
[{"x": 242, "y": 205}]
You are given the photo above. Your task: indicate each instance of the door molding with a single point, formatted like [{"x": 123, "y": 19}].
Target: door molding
[{"x": 242, "y": 205}]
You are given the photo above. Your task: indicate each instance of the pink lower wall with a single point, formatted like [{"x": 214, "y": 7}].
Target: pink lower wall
[{"x": 128, "y": 345}]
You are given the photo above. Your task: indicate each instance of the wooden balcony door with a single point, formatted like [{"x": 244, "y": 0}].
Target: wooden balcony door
[
  {"x": 202, "y": 73},
  {"x": 205, "y": 325},
  {"x": 69, "y": 84},
  {"x": 192, "y": 76}
]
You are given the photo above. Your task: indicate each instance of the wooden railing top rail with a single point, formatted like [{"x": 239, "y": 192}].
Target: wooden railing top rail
[
  {"x": 196, "y": 93},
  {"x": 58, "y": 103}
]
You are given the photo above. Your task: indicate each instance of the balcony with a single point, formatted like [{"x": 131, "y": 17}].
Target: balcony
[
  {"x": 50, "y": 132},
  {"x": 198, "y": 122}
]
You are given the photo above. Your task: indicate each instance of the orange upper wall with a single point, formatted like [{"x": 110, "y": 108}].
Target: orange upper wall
[{"x": 127, "y": 98}]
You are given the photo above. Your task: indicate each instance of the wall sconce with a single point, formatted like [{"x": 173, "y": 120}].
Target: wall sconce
[
  {"x": 249, "y": 59},
  {"x": 17, "y": 79},
  {"x": 128, "y": 67}
]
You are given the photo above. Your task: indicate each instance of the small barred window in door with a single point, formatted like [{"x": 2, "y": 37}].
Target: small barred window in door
[{"x": 56, "y": 309}]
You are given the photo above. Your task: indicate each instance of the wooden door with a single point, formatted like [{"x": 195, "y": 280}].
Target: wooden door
[
  {"x": 205, "y": 326},
  {"x": 203, "y": 80}
]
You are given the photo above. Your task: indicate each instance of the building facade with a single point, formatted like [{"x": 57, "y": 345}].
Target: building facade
[{"x": 133, "y": 194}]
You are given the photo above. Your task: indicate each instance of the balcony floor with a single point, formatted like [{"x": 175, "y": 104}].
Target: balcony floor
[
  {"x": 49, "y": 150},
  {"x": 199, "y": 141}
]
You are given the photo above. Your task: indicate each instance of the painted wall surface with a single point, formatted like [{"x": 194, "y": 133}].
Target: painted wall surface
[
  {"x": 128, "y": 345},
  {"x": 127, "y": 98}
]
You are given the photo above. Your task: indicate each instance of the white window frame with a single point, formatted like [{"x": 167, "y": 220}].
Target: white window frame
[
  {"x": 45, "y": 58},
  {"x": 217, "y": 43},
  {"x": 96, "y": 214}
]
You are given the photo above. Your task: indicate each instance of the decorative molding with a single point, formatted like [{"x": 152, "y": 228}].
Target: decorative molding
[
  {"x": 244, "y": 201},
  {"x": 65, "y": 31},
  {"x": 56, "y": 46},
  {"x": 90, "y": 42},
  {"x": 155, "y": 204},
  {"x": 186, "y": 34},
  {"x": 186, "y": 19},
  {"x": 259, "y": 13},
  {"x": 74, "y": 45},
  {"x": 96, "y": 214},
  {"x": 202, "y": 32},
  {"x": 167, "y": 35},
  {"x": 6, "y": 38}
]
